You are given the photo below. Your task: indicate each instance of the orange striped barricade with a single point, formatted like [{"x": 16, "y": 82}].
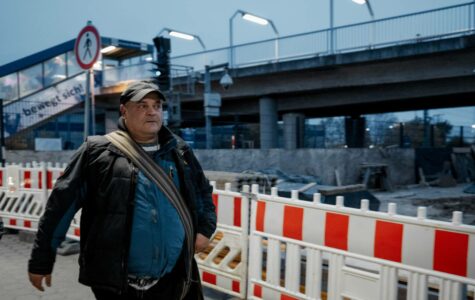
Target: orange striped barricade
[
  {"x": 310, "y": 250},
  {"x": 223, "y": 266}
]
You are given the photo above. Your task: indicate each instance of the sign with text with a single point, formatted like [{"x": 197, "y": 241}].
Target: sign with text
[{"x": 38, "y": 107}]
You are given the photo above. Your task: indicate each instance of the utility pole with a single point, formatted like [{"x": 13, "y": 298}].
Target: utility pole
[
  {"x": 2, "y": 135},
  {"x": 212, "y": 101}
]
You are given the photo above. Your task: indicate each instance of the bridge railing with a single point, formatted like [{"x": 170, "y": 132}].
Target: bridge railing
[{"x": 432, "y": 24}]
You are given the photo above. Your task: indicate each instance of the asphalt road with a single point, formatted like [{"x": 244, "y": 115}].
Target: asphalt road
[{"x": 14, "y": 284}]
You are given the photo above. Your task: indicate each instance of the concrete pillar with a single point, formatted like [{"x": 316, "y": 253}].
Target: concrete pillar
[
  {"x": 294, "y": 131},
  {"x": 355, "y": 131},
  {"x": 268, "y": 122},
  {"x": 112, "y": 116}
]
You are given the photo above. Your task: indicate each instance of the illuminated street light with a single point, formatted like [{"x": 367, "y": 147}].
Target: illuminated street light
[
  {"x": 363, "y": 2},
  {"x": 108, "y": 49},
  {"x": 182, "y": 35},
  {"x": 255, "y": 19}
]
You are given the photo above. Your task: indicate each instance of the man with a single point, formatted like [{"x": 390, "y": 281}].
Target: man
[{"x": 133, "y": 233}]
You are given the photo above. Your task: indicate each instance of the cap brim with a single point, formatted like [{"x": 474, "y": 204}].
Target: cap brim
[{"x": 142, "y": 93}]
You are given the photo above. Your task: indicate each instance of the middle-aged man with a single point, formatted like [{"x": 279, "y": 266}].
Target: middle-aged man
[{"x": 146, "y": 208}]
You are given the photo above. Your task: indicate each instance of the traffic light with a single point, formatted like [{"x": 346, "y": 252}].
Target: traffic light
[{"x": 163, "y": 63}]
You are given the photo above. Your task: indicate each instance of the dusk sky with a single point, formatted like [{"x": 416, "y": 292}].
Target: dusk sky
[{"x": 30, "y": 26}]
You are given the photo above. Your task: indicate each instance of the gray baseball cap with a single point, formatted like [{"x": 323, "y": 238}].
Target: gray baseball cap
[{"x": 137, "y": 90}]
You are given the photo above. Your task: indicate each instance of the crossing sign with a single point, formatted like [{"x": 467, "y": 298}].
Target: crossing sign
[{"x": 87, "y": 46}]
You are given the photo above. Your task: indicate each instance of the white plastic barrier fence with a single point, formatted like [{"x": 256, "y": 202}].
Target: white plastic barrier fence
[
  {"x": 299, "y": 249},
  {"x": 303, "y": 250},
  {"x": 224, "y": 268},
  {"x": 24, "y": 191}
]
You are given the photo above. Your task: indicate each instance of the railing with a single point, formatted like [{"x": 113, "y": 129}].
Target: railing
[
  {"x": 433, "y": 24},
  {"x": 133, "y": 72}
]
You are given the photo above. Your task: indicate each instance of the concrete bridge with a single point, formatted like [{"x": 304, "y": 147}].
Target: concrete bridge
[{"x": 421, "y": 75}]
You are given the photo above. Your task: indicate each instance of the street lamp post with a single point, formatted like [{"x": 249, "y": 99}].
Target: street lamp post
[
  {"x": 255, "y": 19},
  {"x": 371, "y": 13},
  {"x": 332, "y": 19},
  {"x": 182, "y": 35}
]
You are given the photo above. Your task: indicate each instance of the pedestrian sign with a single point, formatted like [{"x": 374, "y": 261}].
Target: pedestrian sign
[{"x": 87, "y": 47}]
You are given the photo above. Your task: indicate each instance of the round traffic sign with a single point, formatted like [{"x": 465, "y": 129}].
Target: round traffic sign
[{"x": 87, "y": 47}]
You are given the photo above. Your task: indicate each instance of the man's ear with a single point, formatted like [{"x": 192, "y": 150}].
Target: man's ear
[{"x": 122, "y": 110}]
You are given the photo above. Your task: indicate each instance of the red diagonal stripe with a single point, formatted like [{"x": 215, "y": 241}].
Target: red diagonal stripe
[
  {"x": 1, "y": 178},
  {"x": 261, "y": 213},
  {"x": 237, "y": 211},
  {"x": 287, "y": 297},
  {"x": 293, "y": 219},
  {"x": 12, "y": 222},
  {"x": 388, "y": 240},
  {"x": 77, "y": 231},
  {"x": 27, "y": 224},
  {"x": 451, "y": 252},
  {"x": 336, "y": 231}
]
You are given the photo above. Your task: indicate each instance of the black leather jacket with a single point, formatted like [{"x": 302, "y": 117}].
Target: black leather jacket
[{"x": 101, "y": 181}]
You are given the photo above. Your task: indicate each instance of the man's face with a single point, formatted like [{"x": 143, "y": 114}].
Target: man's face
[{"x": 143, "y": 118}]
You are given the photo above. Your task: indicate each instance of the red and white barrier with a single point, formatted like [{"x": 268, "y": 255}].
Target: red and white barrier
[
  {"x": 233, "y": 228},
  {"x": 294, "y": 246},
  {"x": 422, "y": 248},
  {"x": 24, "y": 191}
]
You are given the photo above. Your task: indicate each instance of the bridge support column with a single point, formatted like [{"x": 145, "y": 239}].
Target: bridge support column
[
  {"x": 294, "y": 131},
  {"x": 355, "y": 131},
  {"x": 268, "y": 122}
]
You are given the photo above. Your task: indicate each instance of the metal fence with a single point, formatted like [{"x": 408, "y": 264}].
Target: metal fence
[{"x": 433, "y": 24}]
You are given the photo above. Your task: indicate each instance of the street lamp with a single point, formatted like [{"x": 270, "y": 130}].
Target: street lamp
[
  {"x": 182, "y": 35},
  {"x": 332, "y": 17},
  {"x": 371, "y": 13},
  {"x": 255, "y": 19}
]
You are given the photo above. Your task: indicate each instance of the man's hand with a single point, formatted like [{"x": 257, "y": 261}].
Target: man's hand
[
  {"x": 37, "y": 280},
  {"x": 201, "y": 243}
]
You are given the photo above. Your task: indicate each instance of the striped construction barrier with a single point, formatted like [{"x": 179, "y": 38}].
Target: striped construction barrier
[
  {"x": 416, "y": 248},
  {"x": 299, "y": 249},
  {"x": 224, "y": 265}
]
